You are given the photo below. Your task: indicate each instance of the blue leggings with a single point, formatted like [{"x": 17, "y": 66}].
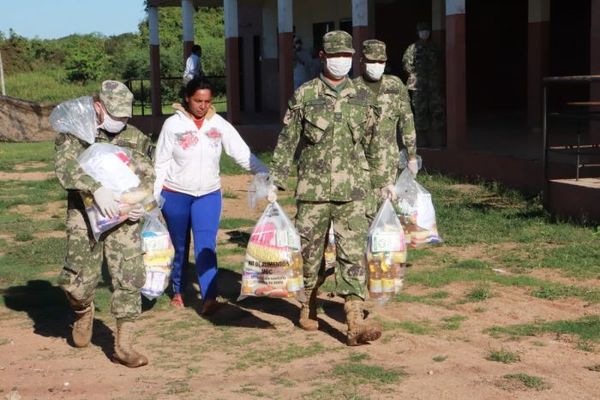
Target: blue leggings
[{"x": 203, "y": 214}]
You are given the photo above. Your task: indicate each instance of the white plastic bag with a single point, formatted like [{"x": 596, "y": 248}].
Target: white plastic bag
[
  {"x": 76, "y": 117},
  {"x": 273, "y": 265},
  {"x": 110, "y": 165},
  {"x": 259, "y": 188},
  {"x": 158, "y": 255},
  {"x": 416, "y": 211},
  {"x": 386, "y": 254}
]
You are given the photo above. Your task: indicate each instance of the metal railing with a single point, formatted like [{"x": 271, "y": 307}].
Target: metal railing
[{"x": 171, "y": 89}]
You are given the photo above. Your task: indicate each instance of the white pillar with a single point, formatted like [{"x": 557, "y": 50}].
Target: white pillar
[
  {"x": 285, "y": 22},
  {"x": 154, "y": 67},
  {"x": 438, "y": 15},
  {"x": 153, "y": 25},
  {"x": 360, "y": 31},
  {"x": 232, "y": 63},
  {"x": 285, "y": 16},
  {"x": 187, "y": 17},
  {"x": 230, "y": 11},
  {"x": 539, "y": 11},
  {"x": 455, "y": 7},
  {"x": 360, "y": 13}
]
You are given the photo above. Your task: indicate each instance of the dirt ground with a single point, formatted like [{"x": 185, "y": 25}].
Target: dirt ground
[{"x": 254, "y": 349}]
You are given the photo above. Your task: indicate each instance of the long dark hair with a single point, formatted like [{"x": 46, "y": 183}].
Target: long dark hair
[{"x": 193, "y": 86}]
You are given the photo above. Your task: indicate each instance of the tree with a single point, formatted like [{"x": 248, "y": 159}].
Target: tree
[{"x": 85, "y": 63}]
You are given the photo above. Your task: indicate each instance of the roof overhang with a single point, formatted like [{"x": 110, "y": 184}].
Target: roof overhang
[{"x": 177, "y": 3}]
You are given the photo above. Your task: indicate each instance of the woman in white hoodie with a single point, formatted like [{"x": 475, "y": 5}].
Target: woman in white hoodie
[{"x": 187, "y": 177}]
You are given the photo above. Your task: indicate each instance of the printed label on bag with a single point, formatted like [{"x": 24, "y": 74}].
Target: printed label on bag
[{"x": 386, "y": 241}]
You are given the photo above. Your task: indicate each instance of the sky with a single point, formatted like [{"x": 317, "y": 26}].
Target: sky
[{"x": 50, "y": 19}]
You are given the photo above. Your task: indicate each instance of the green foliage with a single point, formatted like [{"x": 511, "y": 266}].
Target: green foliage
[
  {"x": 587, "y": 328},
  {"x": 87, "y": 61},
  {"x": 362, "y": 374},
  {"x": 503, "y": 356},
  {"x": 529, "y": 381}
]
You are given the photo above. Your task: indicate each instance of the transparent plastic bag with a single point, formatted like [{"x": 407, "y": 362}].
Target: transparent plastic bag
[
  {"x": 259, "y": 188},
  {"x": 273, "y": 266},
  {"x": 416, "y": 211},
  {"x": 330, "y": 249},
  {"x": 76, "y": 117},
  {"x": 385, "y": 254},
  {"x": 110, "y": 165},
  {"x": 404, "y": 160},
  {"x": 158, "y": 255}
]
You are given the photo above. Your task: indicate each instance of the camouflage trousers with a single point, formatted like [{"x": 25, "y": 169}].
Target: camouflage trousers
[
  {"x": 428, "y": 111},
  {"x": 82, "y": 271},
  {"x": 350, "y": 226}
]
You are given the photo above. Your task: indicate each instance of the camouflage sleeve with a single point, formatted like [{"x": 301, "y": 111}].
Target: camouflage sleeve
[
  {"x": 287, "y": 143},
  {"x": 382, "y": 158},
  {"x": 68, "y": 171},
  {"x": 406, "y": 123},
  {"x": 408, "y": 59}
]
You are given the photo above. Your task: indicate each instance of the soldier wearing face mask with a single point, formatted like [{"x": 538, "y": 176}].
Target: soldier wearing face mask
[
  {"x": 391, "y": 96},
  {"x": 120, "y": 247},
  {"x": 421, "y": 63},
  {"x": 342, "y": 156}
]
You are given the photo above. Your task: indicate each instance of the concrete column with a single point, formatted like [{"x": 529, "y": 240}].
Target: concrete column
[
  {"x": 285, "y": 21},
  {"x": 187, "y": 16},
  {"x": 360, "y": 31},
  {"x": 456, "y": 88},
  {"x": 232, "y": 56},
  {"x": 438, "y": 22},
  {"x": 154, "y": 67},
  {"x": 537, "y": 59}
]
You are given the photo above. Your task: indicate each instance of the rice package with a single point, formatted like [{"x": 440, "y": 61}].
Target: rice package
[
  {"x": 158, "y": 255},
  {"x": 115, "y": 169},
  {"x": 385, "y": 254},
  {"x": 273, "y": 265},
  {"x": 76, "y": 117},
  {"x": 416, "y": 211}
]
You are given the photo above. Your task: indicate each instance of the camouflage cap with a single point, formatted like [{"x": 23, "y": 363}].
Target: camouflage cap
[
  {"x": 117, "y": 98},
  {"x": 423, "y": 26},
  {"x": 374, "y": 50},
  {"x": 337, "y": 42}
]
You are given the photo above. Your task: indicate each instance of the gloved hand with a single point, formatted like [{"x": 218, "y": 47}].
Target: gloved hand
[
  {"x": 106, "y": 201},
  {"x": 135, "y": 213},
  {"x": 413, "y": 166},
  {"x": 272, "y": 195},
  {"x": 389, "y": 192}
]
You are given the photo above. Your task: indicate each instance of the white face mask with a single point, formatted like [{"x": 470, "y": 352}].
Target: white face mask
[
  {"x": 374, "y": 70},
  {"x": 111, "y": 125},
  {"x": 424, "y": 35},
  {"x": 338, "y": 66}
]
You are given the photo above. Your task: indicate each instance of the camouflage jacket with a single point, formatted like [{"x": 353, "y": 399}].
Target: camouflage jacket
[
  {"x": 394, "y": 103},
  {"x": 342, "y": 156},
  {"x": 72, "y": 177},
  {"x": 421, "y": 62}
]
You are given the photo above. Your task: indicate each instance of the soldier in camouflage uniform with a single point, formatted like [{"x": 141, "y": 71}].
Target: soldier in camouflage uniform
[
  {"x": 390, "y": 95},
  {"x": 342, "y": 157},
  {"x": 421, "y": 63},
  {"x": 120, "y": 247}
]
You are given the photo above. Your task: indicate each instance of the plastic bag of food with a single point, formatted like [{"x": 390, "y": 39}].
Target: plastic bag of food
[
  {"x": 385, "y": 254},
  {"x": 416, "y": 211},
  {"x": 158, "y": 255},
  {"x": 110, "y": 165},
  {"x": 76, "y": 117},
  {"x": 259, "y": 188},
  {"x": 114, "y": 168},
  {"x": 330, "y": 249},
  {"x": 273, "y": 265}
]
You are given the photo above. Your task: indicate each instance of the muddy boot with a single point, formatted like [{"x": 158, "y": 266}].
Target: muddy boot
[
  {"x": 124, "y": 351},
  {"x": 360, "y": 331},
  {"x": 82, "y": 328},
  {"x": 308, "y": 313}
]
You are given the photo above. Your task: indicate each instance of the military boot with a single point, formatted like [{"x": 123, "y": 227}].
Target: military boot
[
  {"x": 360, "y": 331},
  {"x": 308, "y": 313},
  {"x": 124, "y": 351},
  {"x": 82, "y": 328}
]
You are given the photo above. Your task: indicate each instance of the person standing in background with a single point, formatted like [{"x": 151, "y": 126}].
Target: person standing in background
[
  {"x": 421, "y": 63},
  {"x": 193, "y": 65}
]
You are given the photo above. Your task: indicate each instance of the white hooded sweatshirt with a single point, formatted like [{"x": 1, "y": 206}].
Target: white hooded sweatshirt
[{"x": 187, "y": 158}]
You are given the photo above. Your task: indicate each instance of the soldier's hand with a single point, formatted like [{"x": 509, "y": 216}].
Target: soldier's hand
[
  {"x": 272, "y": 195},
  {"x": 411, "y": 83},
  {"x": 413, "y": 166},
  {"x": 135, "y": 213},
  {"x": 106, "y": 201},
  {"x": 389, "y": 192}
]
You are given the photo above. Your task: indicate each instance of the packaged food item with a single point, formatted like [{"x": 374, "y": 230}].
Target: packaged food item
[
  {"x": 158, "y": 255},
  {"x": 330, "y": 250},
  {"x": 416, "y": 211},
  {"x": 385, "y": 254},
  {"x": 273, "y": 265}
]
